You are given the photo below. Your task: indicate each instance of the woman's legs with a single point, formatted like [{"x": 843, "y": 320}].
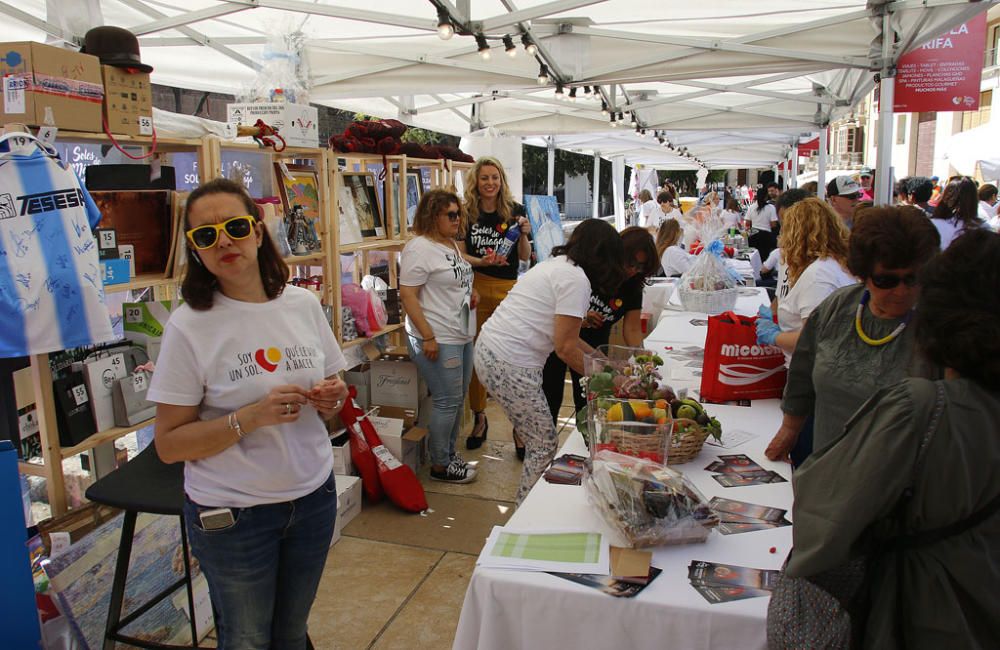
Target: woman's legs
[
  {"x": 519, "y": 392},
  {"x": 263, "y": 571},
  {"x": 447, "y": 378}
]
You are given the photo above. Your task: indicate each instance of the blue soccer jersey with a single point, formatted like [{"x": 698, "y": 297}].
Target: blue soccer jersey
[{"x": 51, "y": 294}]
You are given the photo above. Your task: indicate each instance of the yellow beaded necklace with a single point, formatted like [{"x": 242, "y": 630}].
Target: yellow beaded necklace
[{"x": 885, "y": 339}]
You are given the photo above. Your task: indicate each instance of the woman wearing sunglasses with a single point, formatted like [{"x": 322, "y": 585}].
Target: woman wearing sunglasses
[
  {"x": 859, "y": 339},
  {"x": 246, "y": 377},
  {"x": 435, "y": 286}
]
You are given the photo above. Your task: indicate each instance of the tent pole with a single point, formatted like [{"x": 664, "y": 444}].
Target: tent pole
[
  {"x": 887, "y": 88},
  {"x": 618, "y": 189},
  {"x": 596, "y": 191},
  {"x": 821, "y": 163},
  {"x": 793, "y": 180},
  {"x": 552, "y": 166}
]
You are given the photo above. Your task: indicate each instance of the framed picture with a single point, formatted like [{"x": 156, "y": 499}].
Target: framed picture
[
  {"x": 361, "y": 186},
  {"x": 414, "y": 190},
  {"x": 348, "y": 224},
  {"x": 546, "y": 224},
  {"x": 299, "y": 187}
]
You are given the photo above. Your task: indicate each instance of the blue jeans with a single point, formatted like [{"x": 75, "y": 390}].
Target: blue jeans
[
  {"x": 447, "y": 379},
  {"x": 263, "y": 571}
]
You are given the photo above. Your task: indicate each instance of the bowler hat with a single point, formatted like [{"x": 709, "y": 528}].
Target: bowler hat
[{"x": 114, "y": 46}]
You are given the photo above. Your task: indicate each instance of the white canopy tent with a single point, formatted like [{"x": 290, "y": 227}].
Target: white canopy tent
[{"x": 737, "y": 80}]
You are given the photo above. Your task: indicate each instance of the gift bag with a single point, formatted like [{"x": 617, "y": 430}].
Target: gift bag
[
  {"x": 736, "y": 366},
  {"x": 129, "y": 399}
]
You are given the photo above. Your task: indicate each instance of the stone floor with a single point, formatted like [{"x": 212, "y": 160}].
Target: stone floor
[{"x": 397, "y": 580}]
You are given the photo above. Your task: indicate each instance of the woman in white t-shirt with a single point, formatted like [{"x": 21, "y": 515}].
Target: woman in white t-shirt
[
  {"x": 674, "y": 260},
  {"x": 732, "y": 215},
  {"x": 813, "y": 264},
  {"x": 647, "y": 209},
  {"x": 435, "y": 286},
  {"x": 957, "y": 211},
  {"x": 762, "y": 215},
  {"x": 667, "y": 210},
  {"x": 542, "y": 314},
  {"x": 246, "y": 377}
]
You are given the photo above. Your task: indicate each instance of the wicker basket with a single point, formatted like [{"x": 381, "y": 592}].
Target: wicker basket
[
  {"x": 686, "y": 445},
  {"x": 707, "y": 302},
  {"x": 638, "y": 439}
]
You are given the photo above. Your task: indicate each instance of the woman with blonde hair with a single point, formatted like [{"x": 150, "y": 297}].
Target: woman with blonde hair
[
  {"x": 491, "y": 211},
  {"x": 647, "y": 210},
  {"x": 813, "y": 265},
  {"x": 674, "y": 260}
]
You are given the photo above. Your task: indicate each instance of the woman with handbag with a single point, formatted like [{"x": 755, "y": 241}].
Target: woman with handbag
[
  {"x": 491, "y": 211},
  {"x": 244, "y": 408},
  {"x": 896, "y": 526},
  {"x": 435, "y": 287}
]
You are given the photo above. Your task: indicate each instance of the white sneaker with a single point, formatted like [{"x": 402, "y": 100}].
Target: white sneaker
[{"x": 456, "y": 472}]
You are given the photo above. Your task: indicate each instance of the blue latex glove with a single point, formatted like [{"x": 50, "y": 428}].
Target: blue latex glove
[{"x": 767, "y": 329}]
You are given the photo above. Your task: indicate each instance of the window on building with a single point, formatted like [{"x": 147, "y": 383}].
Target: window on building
[
  {"x": 972, "y": 119},
  {"x": 901, "y": 129}
]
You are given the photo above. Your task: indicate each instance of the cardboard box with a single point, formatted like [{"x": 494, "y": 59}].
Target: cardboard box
[
  {"x": 45, "y": 85},
  {"x": 396, "y": 382},
  {"x": 340, "y": 440},
  {"x": 360, "y": 378},
  {"x": 298, "y": 124},
  {"x": 348, "y": 503},
  {"x": 406, "y": 444},
  {"x": 128, "y": 101}
]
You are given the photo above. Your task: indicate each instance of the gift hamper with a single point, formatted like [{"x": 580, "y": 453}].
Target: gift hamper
[
  {"x": 648, "y": 504},
  {"x": 709, "y": 286}
]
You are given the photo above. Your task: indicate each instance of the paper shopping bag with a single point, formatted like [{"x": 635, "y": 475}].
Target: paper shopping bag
[
  {"x": 736, "y": 366},
  {"x": 130, "y": 404}
]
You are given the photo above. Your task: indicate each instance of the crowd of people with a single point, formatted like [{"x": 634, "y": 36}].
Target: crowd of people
[{"x": 881, "y": 311}]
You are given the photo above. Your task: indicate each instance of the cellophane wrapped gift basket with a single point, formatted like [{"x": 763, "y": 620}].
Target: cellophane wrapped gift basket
[
  {"x": 709, "y": 286},
  {"x": 647, "y": 503}
]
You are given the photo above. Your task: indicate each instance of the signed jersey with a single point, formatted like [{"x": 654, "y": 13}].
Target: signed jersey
[{"x": 51, "y": 293}]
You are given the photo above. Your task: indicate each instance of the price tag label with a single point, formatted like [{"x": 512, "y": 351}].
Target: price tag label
[
  {"x": 47, "y": 134},
  {"x": 127, "y": 252},
  {"x": 107, "y": 240},
  {"x": 145, "y": 125},
  {"x": 154, "y": 169},
  {"x": 139, "y": 382},
  {"x": 79, "y": 393},
  {"x": 133, "y": 314},
  {"x": 13, "y": 94},
  {"x": 118, "y": 366}
]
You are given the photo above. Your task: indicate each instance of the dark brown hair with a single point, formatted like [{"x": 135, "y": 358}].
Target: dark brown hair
[
  {"x": 668, "y": 235},
  {"x": 897, "y": 237},
  {"x": 635, "y": 240},
  {"x": 957, "y": 324},
  {"x": 432, "y": 203},
  {"x": 959, "y": 201},
  {"x": 596, "y": 247},
  {"x": 199, "y": 283},
  {"x": 665, "y": 196},
  {"x": 987, "y": 191}
]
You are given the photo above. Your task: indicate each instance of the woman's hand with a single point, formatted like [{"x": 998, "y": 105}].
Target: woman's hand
[
  {"x": 328, "y": 397},
  {"x": 492, "y": 259},
  {"x": 525, "y": 226},
  {"x": 782, "y": 443},
  {"x": 593, "y": 320},
  {"x": 282, "y": 405},
  {"x": 429, "y": 348}
]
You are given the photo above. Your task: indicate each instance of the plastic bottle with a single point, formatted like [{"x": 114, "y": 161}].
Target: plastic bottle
[{"x": 513, "y": 234}]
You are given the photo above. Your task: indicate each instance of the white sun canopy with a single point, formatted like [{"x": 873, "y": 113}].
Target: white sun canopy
[{"x": 751, "y": 74}]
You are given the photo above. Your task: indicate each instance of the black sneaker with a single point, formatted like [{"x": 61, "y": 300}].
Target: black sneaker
[{"x": 455, "y": 473}]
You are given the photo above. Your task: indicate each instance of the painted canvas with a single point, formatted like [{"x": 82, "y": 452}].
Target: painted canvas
[
  {"x": 546, "y": 224},
  {"x": 300, "y": 187},
  {"x": 414, "y": 190},
  {"x": 365, "y": 199},
  {"x": 349, "y": 226}
]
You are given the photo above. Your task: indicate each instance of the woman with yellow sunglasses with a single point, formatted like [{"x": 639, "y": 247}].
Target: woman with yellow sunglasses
[{"x": 246, "y": 377}]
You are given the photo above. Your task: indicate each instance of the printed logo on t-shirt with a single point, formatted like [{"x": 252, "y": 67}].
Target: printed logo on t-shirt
[
  {"x": 49, "y": 201},
  {"x": 610, "y": 310},
  {"x": 7, "y": 210},
  {"x": 482, "y": 237},
  {"x": 271, "y": 359}
]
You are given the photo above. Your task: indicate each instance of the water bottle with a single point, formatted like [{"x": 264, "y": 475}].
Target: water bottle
[{"x": 513, "y": 234}]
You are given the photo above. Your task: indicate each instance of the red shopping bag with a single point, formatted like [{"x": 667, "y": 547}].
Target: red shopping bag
[{"x": 736, "y": 366}]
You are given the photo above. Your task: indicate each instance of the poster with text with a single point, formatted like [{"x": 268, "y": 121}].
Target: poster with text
[{"x": 944, "y": 73}]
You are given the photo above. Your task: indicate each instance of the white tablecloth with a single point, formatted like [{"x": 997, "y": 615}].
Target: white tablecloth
[{"x": 505, "y": 610}]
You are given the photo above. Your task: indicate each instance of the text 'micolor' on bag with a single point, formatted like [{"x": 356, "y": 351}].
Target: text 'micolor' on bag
[{"x": 736, "y": 366}]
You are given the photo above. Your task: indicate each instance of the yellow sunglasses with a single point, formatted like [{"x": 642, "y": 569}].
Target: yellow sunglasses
[{"x": 207, "y": 236}]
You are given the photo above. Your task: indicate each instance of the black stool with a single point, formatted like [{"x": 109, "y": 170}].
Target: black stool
[{"x": 144, "y": 484}]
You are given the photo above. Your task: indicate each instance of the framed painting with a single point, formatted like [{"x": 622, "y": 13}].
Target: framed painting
[
  {"x": 361, "y": 186},
  {"x": 414, "y": 190},
  {"x": 546, "y": 224},
  {"x": 299, "y": 187}
]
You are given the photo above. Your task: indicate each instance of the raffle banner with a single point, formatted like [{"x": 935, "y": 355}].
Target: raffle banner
[{"x": 944, "y": 73}]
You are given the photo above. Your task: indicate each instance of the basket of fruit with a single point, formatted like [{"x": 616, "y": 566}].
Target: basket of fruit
[
  {"x": 628, "y": 410},
  {"x": 692, "y": 427}
]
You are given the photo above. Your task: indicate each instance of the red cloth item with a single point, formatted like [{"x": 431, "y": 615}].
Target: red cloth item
[
  {"x": 736, "y": 366},
  {"x": 361, "y": 451}
]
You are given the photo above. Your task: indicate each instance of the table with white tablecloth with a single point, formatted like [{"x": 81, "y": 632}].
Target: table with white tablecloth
[{"x": 507, "y": 609}]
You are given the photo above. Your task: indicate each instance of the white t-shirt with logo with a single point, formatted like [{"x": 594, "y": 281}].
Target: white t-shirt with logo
[
  {"x": 761, "y": 218},
  {"x": 445, "y": 281},
  {"x": 818, "y": 280},
  {"x": 522, "y": 328},
  {"x": 232, "y": 355},
  {"x": 676, "y": 261}
]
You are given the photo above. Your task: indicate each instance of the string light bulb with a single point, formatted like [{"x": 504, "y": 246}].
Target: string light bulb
[
  {"x": 559, "y": 91},
  {"x": 445, "y": 29},
  {"x": 529, "y": 45},
  {"x": 604, "y": 108},
  {"x": 484, "y": 47},
  {"x": 572, "y": 94},
  {"x": 543, "y": 74},
  {"x": 509, "y": 47}
]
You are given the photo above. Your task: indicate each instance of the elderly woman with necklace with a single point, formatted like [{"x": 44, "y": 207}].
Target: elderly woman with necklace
[{"x": 858, "y": 340}]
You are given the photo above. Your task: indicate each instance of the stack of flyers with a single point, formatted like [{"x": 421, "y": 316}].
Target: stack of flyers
[
  {"x": 568, "y": 469},
  {"x": 609, "y": 584},
  {"x": 723, "y": 583},
  {"x": 741, "y": 517},
  {"x": 737, "y": 470}
]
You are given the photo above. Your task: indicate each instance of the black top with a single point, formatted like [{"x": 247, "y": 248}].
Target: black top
[
  {"x": 626, "y": 299},
  {"x": 488, "y": 232}
]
